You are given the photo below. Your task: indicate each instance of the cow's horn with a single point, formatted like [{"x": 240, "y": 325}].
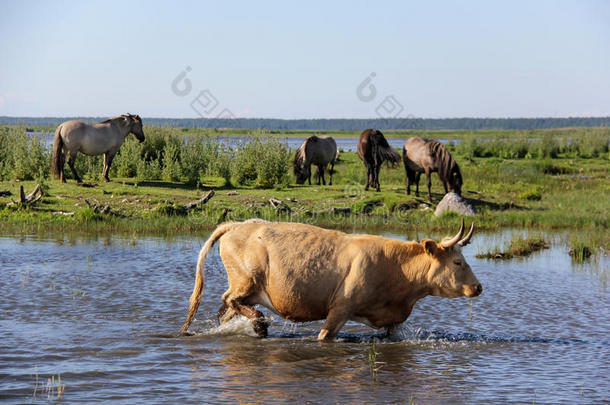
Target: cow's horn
[
  {"x": 466, "y": 240},
  {"x": 455, "y": 239}
]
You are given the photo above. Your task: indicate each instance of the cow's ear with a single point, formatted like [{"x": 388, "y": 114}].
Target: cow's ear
[{"x": 430, "y": 246}]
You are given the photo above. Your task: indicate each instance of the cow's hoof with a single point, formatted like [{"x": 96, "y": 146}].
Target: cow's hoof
[{"x": 260, "y": 327}]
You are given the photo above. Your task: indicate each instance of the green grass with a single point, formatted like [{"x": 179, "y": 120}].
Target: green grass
[
  {"x": 568, "y": 191},
  {"x": 518, "y": 247}
]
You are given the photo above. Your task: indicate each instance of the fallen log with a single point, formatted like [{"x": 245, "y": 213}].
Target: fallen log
[
  {"x": 279, "y": 205},
  {"x": 200, "y": 201}
]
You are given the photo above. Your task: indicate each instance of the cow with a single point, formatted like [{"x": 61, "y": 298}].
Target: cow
[{"x": 306, "y": 273}]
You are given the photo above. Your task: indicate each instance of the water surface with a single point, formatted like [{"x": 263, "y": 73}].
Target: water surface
[{"x": 102, "y": 312}]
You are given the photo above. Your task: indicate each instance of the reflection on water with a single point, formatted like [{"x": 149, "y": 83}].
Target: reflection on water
[{"x": 103, "y": 313}]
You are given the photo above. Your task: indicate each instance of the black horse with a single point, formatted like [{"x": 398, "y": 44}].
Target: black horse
[{"x": 373, "y": 150}]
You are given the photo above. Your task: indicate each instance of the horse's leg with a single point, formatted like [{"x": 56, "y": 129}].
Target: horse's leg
[
  {"x": 62, "y": 163},
  {"x": 330, "y": 173},
  {"x": 321, "y": 171},
  {"x": 376, "y": 171},
  {"x": 309, "y": 175},
  {"x": 368, "y": 176},
  {"x": 410, "y": 179},
  {"x": 108, "y": 156},
  {"x": 417, "y": 177},
  {"x": 71, "y": 160},
  {"x": 429, "y": 179}
]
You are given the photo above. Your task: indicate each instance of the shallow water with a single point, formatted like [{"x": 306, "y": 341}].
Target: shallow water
[{"x": 102, "y": 313}]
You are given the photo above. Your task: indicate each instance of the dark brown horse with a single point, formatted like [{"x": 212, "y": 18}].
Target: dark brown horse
[
  {"x": 427, "y": 156},
  {"x": 373, "y": 150}
]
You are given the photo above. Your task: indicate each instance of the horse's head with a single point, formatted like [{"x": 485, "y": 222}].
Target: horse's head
[
  {"x": 301, "y": 173},
  {"x": 301, "y": 170},
  {"x": 134, "y": 123},
  {"x": 455, "y": 180}
]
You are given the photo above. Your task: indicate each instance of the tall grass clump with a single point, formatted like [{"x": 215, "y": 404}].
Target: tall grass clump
[
  {"x": 581, "y": 250},
  {"x": 547, "y": 147},
  {"x": 22, "y": 157},
  {"x": 592, "y": 144}
]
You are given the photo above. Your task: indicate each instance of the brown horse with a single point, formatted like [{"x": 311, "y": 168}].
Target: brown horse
[
  {"x": 427, "y": 156},
  {"x": 373, "y": 150},
  {"x": 104, "y": 138},
  {"x": 319, "y": 151}
]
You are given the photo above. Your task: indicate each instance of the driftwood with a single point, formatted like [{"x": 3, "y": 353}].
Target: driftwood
[
  {"x": 64, "y": 213},
  {"x": 200, "y": 201},
  {"x": 30, "y": 199},
  {"x": 98, "y": 208},
  {"x": 279, "y": 205}
]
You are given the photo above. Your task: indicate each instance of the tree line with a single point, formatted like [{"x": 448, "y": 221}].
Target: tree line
[{"x": 336, "y": 124}]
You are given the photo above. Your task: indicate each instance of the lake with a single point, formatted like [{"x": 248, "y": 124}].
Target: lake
[
  {"x": 102, "y": 313},
  {"x": 345, "y": 144}
]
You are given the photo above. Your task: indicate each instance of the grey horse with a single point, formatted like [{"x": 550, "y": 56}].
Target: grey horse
[
  {"x": 104, "y": 138},
  {"x": 319, "y": 151}
]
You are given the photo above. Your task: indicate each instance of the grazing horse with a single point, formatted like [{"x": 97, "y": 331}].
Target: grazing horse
[
  {"x": 429, "y": 155},
  {"x": 373, "y": 150},
  {"x": 319, "y": 151},
  {"x": 104, "y": 138}
]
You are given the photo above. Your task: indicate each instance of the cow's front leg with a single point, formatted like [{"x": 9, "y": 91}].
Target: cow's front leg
[{"x": 334, "y": 322}]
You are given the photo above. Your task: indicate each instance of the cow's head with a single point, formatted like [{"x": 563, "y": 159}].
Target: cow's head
[{"x": 449, "y": 274}]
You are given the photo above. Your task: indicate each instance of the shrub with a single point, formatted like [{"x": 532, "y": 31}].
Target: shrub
[
  {"x": 172, "y": 170},
  {"x": 261, "y": 161},
  {"x": 125, "y": 163},
  {"x": 22, "y": 156},
  {"x": 532, "y": 194}
]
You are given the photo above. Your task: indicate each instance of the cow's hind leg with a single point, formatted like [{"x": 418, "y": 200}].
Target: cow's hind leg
[{"x": 335, "y": 320}]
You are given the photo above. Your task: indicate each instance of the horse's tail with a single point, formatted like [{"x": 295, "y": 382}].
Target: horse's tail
[
  {"x": 58, "y": 155},
  {"x": 199, "y": 275}
]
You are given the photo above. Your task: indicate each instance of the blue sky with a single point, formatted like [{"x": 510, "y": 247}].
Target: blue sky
[{"x": 305, "y": 60}]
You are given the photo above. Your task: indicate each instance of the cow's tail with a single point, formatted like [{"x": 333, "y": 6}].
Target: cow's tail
[
  {"x": 58, "y": 154},
  {"x": 199, "y": 274}
]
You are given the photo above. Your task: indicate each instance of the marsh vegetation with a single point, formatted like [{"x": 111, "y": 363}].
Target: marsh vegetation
[{"x": 542, "y": 179}]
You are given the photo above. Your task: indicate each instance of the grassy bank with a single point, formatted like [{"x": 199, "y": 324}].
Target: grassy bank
[{"x": 522, "y": 182}]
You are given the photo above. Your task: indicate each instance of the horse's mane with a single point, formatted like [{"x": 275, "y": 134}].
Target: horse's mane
[
  {"x": 446, "y": 162},
  {"x": 299, "y": 157},
  {"x": 113, "y": 119},
  {"x": 137, "y": 117},
  {"x": 382, "y": 149}
]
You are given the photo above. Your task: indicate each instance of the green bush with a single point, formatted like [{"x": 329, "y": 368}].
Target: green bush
[
  {"x": 261, "y": 161},
  {"x": 22, "y": 156},
  {"x": 125, "y": 163}
]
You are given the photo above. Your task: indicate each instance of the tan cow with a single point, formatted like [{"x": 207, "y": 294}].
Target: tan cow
[{"x": 305, "y": 273}]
